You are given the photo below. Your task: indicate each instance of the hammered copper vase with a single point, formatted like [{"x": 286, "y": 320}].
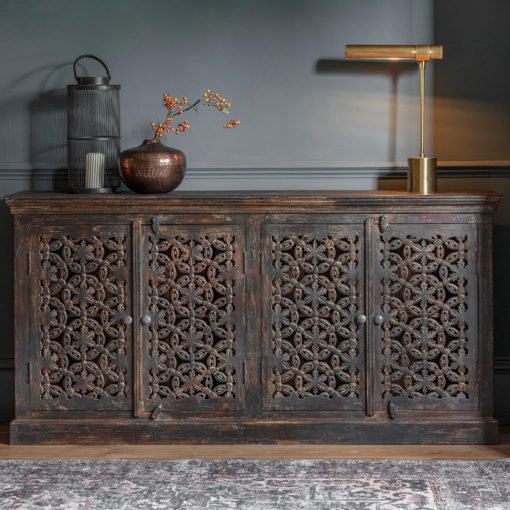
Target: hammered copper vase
[{"x": 152, "y": 167}]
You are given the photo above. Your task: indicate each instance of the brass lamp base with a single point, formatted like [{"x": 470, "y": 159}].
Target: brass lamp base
[{"x": 421, "y": 175}]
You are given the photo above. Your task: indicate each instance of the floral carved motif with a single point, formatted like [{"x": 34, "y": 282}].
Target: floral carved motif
[
  {"x": 82, "y": 306},
  {"x": 192, "y": 284},
  {"x": 425, "y": 333},
  {"x": 315, "y": 291}
]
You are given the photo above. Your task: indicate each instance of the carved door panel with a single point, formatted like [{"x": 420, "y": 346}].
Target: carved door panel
[
  {"x": 313, "y": 321},
  {"x": 193, "y": 335},
  {"x": 80, "y": 346},
  {"x": 426, "y": 317}
]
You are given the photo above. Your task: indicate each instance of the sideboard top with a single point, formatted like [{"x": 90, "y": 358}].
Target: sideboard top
[{"x": 247, "y": 201}]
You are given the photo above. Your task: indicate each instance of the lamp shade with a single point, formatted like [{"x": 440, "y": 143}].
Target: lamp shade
[{"x": 423, "y": 52}]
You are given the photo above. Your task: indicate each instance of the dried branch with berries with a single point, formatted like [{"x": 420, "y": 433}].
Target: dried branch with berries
[{"x": 176, "y": 107}]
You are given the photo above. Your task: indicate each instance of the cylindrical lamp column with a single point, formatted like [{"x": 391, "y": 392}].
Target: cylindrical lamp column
[{"x": 93, "y": 127}]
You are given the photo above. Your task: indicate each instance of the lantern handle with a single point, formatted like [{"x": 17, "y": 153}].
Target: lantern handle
[{"x": 94, "y": 58}]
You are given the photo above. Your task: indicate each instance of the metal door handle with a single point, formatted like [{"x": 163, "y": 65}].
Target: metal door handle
[
  {"x": 128, "y": 320},
  {"x": 146, "y": 320},
  {"x": 378, "y": 319},
  {"x": 361, "y": 318}
]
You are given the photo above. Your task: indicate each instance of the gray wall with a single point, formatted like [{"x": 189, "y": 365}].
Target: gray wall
[
  {"x": 472, "y": 84},
  {"x": 276, "y": 60},
  {"x": 309, "y": 119}
]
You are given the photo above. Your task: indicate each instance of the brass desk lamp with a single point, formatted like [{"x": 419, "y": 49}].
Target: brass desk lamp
[{"x": 421, "y": 170}]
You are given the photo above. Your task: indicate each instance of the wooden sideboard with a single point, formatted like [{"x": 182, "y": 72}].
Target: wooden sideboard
[{"x": 225, "y": 317}]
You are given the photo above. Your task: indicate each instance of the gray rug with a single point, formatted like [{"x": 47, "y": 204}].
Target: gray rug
[{"x": 185, "y": 484}]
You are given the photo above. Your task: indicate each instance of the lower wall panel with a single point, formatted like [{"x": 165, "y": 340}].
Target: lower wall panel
[
  {"x": 6, "y": 395},
  {"x": 502, "y": 390}
]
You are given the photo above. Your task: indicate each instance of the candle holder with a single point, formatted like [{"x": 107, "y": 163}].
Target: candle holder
[{"x": 93, "y": 127}]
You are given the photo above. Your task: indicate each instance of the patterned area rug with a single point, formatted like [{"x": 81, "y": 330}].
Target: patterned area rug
[{"x": 240, "y": 484}]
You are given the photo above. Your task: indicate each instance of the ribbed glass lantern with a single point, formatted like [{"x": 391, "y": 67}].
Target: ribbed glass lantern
[{"x": 93, "y": 132}]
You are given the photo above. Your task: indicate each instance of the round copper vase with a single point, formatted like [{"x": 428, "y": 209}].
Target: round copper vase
[{"x": 152, "y": 167}]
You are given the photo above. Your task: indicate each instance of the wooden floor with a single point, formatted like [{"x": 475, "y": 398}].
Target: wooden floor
[{"x": 325, "y": 452}]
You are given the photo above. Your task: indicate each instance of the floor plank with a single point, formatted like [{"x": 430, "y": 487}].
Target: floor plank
[{"x": 270, "y": 452}]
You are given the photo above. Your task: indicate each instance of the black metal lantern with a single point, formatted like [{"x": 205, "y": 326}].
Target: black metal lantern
[{"x": 93, "y": 132}]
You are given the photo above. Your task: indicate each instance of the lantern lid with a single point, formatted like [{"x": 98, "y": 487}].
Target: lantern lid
[{"x": 92, "y": 81}]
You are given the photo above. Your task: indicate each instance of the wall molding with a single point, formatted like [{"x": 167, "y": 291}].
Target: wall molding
[
  {"x": 6, "y": 363},
  {"x": 502, "y": 365},
  {"x": 22, "y": 172}
]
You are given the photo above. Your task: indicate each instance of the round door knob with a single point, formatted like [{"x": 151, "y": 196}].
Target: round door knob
[
  {"x": 146, "y": 320},
  {"x": 128, "y": 320},
  {"x": 378, "y": 319},
  {"x": 361, "y": 318}
]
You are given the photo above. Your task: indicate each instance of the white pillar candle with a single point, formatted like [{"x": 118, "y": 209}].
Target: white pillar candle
[{"x": 94, "y": 170}]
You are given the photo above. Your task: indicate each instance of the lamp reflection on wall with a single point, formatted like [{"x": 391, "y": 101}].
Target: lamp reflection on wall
[{"x": 421, "y": 170}]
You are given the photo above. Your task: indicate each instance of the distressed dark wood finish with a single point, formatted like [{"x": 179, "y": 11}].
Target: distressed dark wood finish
[
  {"x": 254, "y": 317},
  {"x": 193, "y": 340},
  {"x": 314, "y": 348},
  {"x": 426, "y": 299},
  {"x": 80, "y": 347}
]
